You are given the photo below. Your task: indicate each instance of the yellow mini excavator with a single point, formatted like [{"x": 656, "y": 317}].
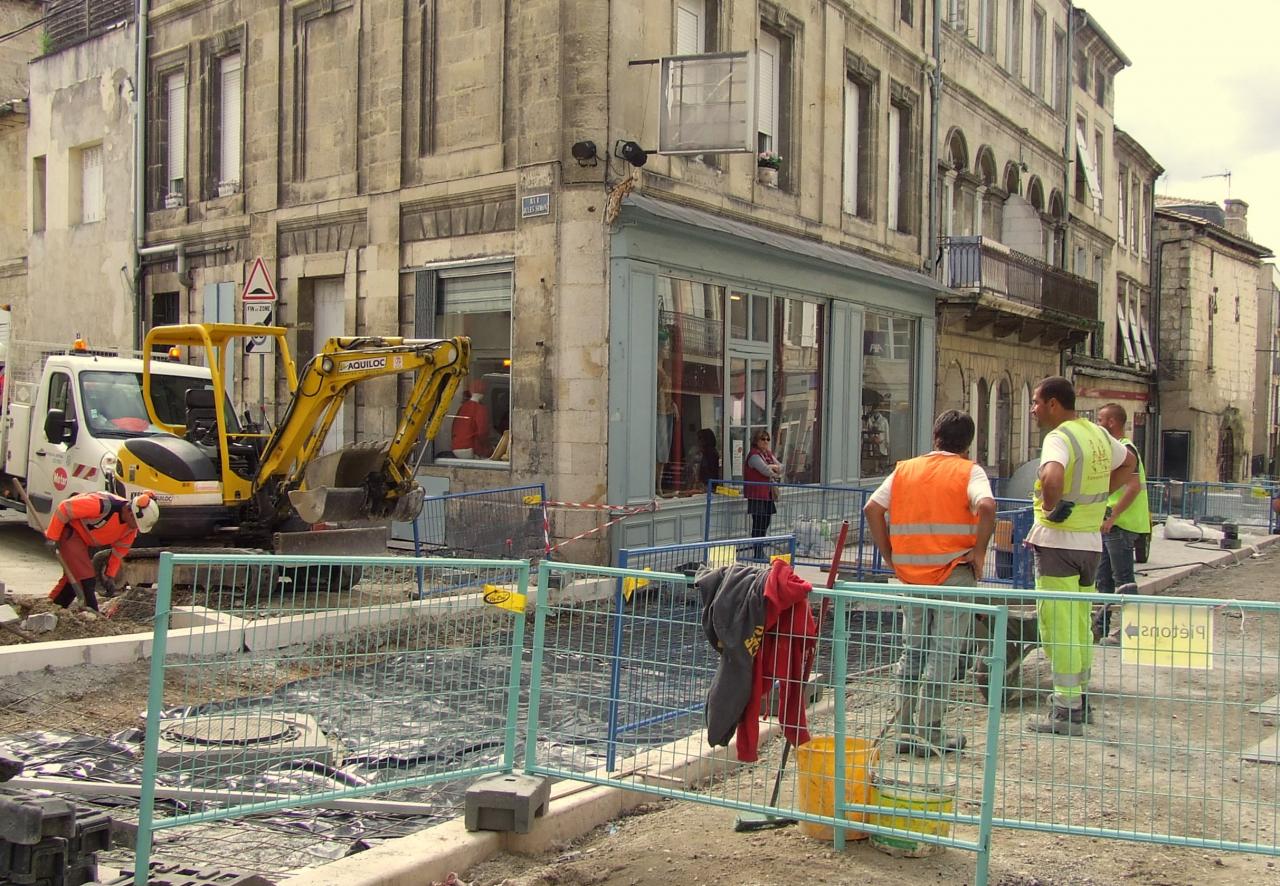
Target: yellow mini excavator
[{"x": 249, "y": 489}]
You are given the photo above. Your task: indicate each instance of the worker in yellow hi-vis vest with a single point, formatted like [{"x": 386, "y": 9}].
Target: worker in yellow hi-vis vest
[{"x": 1080, "y": 465}]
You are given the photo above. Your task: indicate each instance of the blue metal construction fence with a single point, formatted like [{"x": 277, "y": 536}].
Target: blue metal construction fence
[
  {"x": 509, "y": 522},
  {"x": 813, "y": 514}
]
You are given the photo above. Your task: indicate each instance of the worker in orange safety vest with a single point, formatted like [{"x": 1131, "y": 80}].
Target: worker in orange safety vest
[
  {"x": 940, "y": 517},
  {"x": 92, "y": 520}
]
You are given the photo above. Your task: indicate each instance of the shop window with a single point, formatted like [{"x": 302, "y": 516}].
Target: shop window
[
  {"x": 711, "y": 400},
  {"x": 888, "y": 386},
  {"x": 477, "y": 428},
  {"x": 689, "y": 424},
  {"x": 798, "y": 388}
]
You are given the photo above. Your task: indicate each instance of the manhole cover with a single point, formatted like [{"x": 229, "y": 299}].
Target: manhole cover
[{"x": 232, "y": 730}]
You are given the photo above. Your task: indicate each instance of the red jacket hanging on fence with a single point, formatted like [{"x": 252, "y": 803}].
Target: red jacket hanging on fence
[{"x": 760, "y": 622}]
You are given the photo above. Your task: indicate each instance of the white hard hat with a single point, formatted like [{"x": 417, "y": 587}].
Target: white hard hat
[{"x": 145, "y": 511}]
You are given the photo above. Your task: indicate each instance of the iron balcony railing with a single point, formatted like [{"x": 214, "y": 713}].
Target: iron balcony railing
[{"x": 975, "y": 263}]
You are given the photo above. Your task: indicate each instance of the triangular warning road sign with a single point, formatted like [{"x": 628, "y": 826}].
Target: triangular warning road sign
[{"x": 258, "y": 286}]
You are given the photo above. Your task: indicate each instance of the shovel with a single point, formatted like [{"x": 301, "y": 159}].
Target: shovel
[
  {"x": 755, "y": 822},
  {"x": 75, "y": 582}
]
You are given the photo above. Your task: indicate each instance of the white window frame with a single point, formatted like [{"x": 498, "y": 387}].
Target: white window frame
[
  {"x": 987, "y": 26},
  {"x": 1013, "y": 39},
  {"x": 1099, "y": 170},
  {"x": 92, "y": 203},
  {"x": 690, "y": 27},
  {"x": 852, "y": 144},
  {"x": 1122, "y": 208},
  {"x": 175, "y": 185},
  {"x": 895, "y": 172},
  {"x": 768, "y": 73},
  {"x": 1058, "y": 59},
  {"x": 231, "y": 82},
  {"x": 958, "y": 14},
  {"x": 1038, "y": 17}
]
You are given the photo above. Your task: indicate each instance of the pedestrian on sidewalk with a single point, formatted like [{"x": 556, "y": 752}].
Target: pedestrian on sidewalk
[
  {"x": 1128, "y": 518},
  {"x": 89, "y": 521},
  {"x": 1080, "y": 466},
  {"x": 761, "y": 471},
  {"x": 941, "y": 514}
]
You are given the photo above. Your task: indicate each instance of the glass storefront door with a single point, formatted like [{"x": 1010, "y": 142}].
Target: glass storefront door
[{"x": 749, "y": 406}]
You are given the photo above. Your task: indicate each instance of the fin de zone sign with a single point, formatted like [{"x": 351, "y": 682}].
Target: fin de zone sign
[{"x": 258, "y": 286}]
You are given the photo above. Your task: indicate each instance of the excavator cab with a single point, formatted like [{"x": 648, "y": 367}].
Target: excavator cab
[{"x": 269, "y": 489}]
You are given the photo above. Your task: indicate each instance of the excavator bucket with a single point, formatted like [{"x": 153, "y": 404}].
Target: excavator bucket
[{"x": 335, "y": 488}]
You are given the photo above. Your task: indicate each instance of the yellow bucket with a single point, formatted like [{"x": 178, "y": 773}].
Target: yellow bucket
[
  {"x": 913, "y": 787},
  {"x": 816, "y": 765}
]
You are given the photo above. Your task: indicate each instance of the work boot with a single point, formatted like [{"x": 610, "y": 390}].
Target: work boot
[
  {"x": 1062, "y": 721},
  {"x": 924, "y": 741}
]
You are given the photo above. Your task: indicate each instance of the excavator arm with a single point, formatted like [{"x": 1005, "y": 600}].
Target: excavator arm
[{"x": 366, "y": 480}]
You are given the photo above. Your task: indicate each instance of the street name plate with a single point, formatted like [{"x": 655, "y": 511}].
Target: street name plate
[{"x": 1167, "y": 636}]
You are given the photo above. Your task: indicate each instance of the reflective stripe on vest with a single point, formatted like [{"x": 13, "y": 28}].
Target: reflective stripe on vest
[
  {"x": 929, "y": 518},
  {"x": 1136, "y": 517},
  {"x": 1083, "y": 484}
]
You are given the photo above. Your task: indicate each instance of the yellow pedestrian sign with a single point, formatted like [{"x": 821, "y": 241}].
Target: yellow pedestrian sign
[{"x": 1167, "y": 636}]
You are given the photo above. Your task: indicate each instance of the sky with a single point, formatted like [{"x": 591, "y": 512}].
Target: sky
[{"x": 1203, "y": 97}]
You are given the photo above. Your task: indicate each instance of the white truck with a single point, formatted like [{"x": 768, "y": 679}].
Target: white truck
[{"x": 66, "y": 411}]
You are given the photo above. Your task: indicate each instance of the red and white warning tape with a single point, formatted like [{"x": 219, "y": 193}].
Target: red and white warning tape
[{"x": 626, "y": 511}]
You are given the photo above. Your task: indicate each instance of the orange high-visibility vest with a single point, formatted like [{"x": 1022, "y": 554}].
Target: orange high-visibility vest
[{"x": 930, "y": 524}]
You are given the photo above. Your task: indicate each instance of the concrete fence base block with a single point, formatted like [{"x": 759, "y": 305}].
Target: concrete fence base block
[{"x": 506, "y": 803}]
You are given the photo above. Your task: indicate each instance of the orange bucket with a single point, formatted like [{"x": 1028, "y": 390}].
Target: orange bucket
[{"x": 816, "y": 766}]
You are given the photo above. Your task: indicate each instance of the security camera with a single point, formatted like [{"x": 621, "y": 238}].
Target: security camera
[
  {"x": 631, "y": 152},
  {"x": 585, "y": 153}
]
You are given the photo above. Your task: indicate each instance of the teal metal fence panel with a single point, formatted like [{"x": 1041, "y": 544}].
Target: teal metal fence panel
[
  {"x": 351, "y": 677},
  {"x": 854, "y": 773},
  {"x": 1179, "y": 745}
]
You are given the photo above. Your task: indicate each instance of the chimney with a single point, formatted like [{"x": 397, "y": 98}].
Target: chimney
[{"x": 1237, "y": 217}]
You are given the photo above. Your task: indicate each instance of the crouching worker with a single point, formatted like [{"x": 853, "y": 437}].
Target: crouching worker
[
  {"x": 940, "y": 518},
  {"x": 89, "y": 521}
]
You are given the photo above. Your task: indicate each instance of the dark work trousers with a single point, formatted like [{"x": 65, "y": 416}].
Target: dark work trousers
[{"x": 1115, "y": 573}]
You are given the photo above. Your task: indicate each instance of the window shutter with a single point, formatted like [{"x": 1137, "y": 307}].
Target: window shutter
[
  {"x": 91, "y": 184},
  {"x": 767, "y": 85},
  {"x": 1145, "y": 337},
  {"x": 691, "y": 17},
  {"x": 895, "y": 143},
  {"x": 852, "y": 100},
  {"x": 476, "y": 294},
  {"x": 230, "y": 119},
  {"x": 1125, "y": 333},
  {"x": 176, "y": 172}
]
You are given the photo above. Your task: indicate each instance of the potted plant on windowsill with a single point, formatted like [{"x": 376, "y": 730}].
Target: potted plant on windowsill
[{"x": 767, "y": 165}]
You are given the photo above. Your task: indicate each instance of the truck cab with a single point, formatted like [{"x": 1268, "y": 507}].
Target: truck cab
[{"x": 62, "y": 428}]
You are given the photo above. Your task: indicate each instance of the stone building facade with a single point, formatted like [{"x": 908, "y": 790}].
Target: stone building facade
[
  {"x": 1266, "y": 409},
  {"x": 1208, "y": 294},
  {"x": 411, "y": 168},
  {"x": 15, "y": 53}
]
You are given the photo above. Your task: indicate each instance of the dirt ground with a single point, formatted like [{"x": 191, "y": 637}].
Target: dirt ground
[{"x": 669, "y": 842}]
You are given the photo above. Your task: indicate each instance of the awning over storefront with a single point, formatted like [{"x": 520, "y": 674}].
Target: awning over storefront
[{"x": 786, "y": 243}]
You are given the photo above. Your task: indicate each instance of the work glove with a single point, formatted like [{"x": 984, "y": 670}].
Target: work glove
[
  {"x": 1061, "y": 512},
  {"x": 108, "y": 585},
  {"x": 50, "y": 544}
]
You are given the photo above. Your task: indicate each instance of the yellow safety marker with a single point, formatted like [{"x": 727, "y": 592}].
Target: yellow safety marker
[{"x": 504, "y": 598}]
